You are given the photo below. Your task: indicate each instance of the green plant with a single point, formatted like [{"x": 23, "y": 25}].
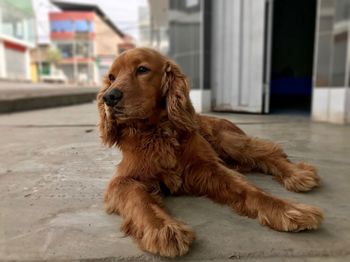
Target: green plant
[{"x": 54, "y": 55}]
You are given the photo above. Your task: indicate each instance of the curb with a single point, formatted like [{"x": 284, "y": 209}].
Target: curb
[{"x": 47, "y": 101}]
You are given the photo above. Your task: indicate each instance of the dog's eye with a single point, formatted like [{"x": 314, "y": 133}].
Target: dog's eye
[
  {"x": 111, "y": 77},
  {"x": 142, "y": 70}
]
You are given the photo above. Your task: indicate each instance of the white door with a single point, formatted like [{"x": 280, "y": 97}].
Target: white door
[{"x": 241, "y": 35}]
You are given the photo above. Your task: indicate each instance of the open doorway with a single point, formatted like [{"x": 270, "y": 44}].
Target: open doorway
[{"x": 292, "y": 56}]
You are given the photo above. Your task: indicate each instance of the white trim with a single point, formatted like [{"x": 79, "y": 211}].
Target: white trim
[
  {"x": 337, "y": 105},
  {"x": 320, "y": 104},
  {"x": 201, "y": 100},
  {"x": 331, "y": 104},
  {"x": 347, "y": 106}
]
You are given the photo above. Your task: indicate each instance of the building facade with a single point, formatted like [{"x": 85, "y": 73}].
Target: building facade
[
  {"x": 153, "y": 27},
  {"x": 17, "y": 37},
  {"x": 331, "y": 95},
  {"x": 262, "y": 56},
  {"x": 87, "y": 40}
]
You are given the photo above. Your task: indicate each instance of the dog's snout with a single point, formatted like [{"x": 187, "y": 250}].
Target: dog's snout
[{"x": 112, "y": 97}]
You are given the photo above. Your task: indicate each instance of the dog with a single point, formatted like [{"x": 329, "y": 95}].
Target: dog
[{"x": 145, "y": 111}]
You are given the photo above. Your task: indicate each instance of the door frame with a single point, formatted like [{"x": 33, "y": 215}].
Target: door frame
[{"x": 267, "y": 55}]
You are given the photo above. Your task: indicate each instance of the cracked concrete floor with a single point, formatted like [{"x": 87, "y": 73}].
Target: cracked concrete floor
[{"x": 53, "y": 172}]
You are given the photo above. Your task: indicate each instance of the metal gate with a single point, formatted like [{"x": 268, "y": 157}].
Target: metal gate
[{"x": 241, "y": 36}]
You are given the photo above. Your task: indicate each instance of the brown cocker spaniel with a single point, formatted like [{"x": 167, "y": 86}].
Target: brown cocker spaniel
[{"x": 146, "y": 112}]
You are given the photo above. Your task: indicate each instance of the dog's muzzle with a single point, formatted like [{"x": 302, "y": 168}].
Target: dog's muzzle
[{"x": 112, "y": 97}]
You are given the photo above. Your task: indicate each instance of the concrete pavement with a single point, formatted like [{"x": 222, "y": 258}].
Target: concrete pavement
[{"x": 53, "y": 172}]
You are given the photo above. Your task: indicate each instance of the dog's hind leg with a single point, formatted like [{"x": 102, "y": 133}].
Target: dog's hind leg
[
  {"x": 268, "y": 157},
  {"x": 228, "y": 187}
]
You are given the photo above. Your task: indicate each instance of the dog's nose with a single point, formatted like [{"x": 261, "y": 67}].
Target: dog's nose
[{"x": 112, "y": 97}]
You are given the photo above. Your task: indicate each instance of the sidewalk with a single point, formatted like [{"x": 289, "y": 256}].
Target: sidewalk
[
  {"x": 26, "y": 96},
  {"x": 53, "y": 172}
]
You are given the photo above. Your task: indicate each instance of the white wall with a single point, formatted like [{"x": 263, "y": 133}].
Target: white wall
[
  {"x": 17, "y": 64},
  {"x": 27, "y": 64},
  {"x": 331, "y": 105},
  {"x": 2, "y": 60},
  {"x": 201, "y": 100}
]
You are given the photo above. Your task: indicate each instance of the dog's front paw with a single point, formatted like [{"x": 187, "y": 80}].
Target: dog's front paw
[
  {"x": 292, "y": 218},
  {"x": 171, "y": 240},
  {"x": 303, "y": 178}
]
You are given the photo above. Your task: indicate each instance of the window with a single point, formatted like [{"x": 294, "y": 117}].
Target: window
[
  {"x": 83, "y": 26},
  {"x": 331, "y": 44},
  {"x": 83, "y": 49},
  {"x": 16, "y": 24},
  {"x": 66, "y": 49},
  {"x": 62, "y": 26},
  {"x": 339, "y": 59}
]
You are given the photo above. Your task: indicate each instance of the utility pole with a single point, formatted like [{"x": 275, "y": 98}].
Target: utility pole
[
  {"x": 75, "y": 62},
  {"x": 38, "y": 51}
]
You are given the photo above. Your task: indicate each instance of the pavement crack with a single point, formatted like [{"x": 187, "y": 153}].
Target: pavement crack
[
  {"x": 267, "y": 122},
  {"x": 291, "y": 253}
]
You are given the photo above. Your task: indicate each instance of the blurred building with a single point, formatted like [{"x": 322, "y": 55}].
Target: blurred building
[
  {"x": 87, "y": 40},
  {"x": 128, "y": 43},
  {"x": 262, "y": 56},
  {"x": 39, "y": 61},
  {"x": 17, "y": 37},
  {"x": 144, "y": 23},
  {"x": 153, "y": 27},
  {"x": 331, "y": 92}
]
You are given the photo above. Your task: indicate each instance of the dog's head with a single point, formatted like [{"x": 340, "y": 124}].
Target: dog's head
[{"x": 142, "y": 84}]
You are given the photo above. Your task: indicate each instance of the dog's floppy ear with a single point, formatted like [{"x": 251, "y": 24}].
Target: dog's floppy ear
[
  {"x": 108, "y": 126},
  {"x": 178, "y": 104}
]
